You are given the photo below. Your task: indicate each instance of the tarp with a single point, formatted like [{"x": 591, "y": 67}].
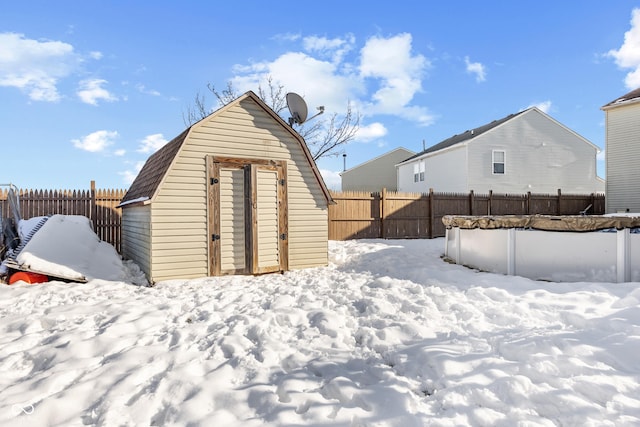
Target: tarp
[{"x": 543, "y": 222}]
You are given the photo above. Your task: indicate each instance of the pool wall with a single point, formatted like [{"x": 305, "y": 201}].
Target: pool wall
[{"x": 559, "y": 256}]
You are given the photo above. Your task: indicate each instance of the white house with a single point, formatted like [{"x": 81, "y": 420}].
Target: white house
[
  {"x": 524, "y": 152},
  {"x": 622, "y": 142},
  {"x": 375, "y": 174}
]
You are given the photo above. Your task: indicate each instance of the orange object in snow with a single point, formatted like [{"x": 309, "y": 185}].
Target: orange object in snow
[{"x": 28, "y": 277}]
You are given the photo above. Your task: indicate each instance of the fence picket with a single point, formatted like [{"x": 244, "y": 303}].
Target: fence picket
[{"x": 355, "y": 215}]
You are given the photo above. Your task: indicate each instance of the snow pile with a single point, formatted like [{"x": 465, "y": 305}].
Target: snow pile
[
  {"x": 66, "y": 246},
  {"x": 387, "y": 335}
]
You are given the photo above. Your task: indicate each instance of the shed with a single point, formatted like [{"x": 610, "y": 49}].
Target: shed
[{"x": 235, "y": 193}]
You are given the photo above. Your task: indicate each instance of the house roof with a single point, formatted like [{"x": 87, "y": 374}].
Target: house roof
[
  {"x": 466, "y": 136},
  {"x": 146, "y": 184},
  {"x": 409, "y": 153},
  {"x": 628, "y": 98}
]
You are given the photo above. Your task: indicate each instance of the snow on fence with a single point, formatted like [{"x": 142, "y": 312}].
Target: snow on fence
[
  {"x": 98, "y": 205},
  {"x": 392, "y": 215}
]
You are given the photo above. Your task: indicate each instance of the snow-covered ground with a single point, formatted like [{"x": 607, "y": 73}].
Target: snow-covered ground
[{"x": 387, "y": 335}]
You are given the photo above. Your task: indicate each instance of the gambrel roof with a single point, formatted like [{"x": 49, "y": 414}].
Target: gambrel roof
[
  {"x": 628, "y": 98},
  {"x": 146, "y": 184}
]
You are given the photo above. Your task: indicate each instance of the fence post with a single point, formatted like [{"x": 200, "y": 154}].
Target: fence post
[
  {"x": 383, "y": 199},
  {"x": 559, "y": 202},
  {"x": 93, "y": 207},
  {"x": 471, "y": 202},
  {"x": 489, "y": 204},
  {"x": 528, "y": 202},
  {"x": 431, "y": 213}
]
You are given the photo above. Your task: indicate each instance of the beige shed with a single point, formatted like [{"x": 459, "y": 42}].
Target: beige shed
[{"x": 236, "y": 193}]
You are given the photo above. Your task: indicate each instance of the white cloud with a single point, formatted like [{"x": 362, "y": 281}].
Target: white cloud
[
  {"x": 120, "y": 152},
  {"x": 544, "y": 106},
  {"x": 35, "y": 66},
  {"x": 95, "y": 55},
  {"x": 142, "y": 89},
  {"x": 331, "y": 72},
  {"x": 129, "y": 175},
  {"x": 475, "y": 68},
  {"x": 331, "y": 179},
  {"x": 371, "y": 132},
  {"x": 97, "y": 141},
  {"x": 152, "y": 143},
  {"x": 628, "y": 56},
  {"x": 399, "y": 74},
  {"x": 91, "y": 91},
  {"x": 318, "y": 82},
  {"x": 335, "y": 48},
  {"x": 601, "y": 156}
]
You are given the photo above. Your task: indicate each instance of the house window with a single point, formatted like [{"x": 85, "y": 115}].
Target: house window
[
  {"x": 498, "y": 160},
  {"x": 418, "y": 171}
]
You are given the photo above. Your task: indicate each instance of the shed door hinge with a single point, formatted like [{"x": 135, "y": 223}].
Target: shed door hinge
[
  {"x": 214, "y": 181},
  {"x": 283, "y": 236},
  {"x": 215, "y": 237}
]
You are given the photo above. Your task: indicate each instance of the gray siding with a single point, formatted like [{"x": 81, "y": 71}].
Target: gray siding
[
  {"x": 447, "y": 171},
  {"x": 243, "y": 130},
  {"x": 623, "y": 159},
  {"x": 375, "y": 174},
  {"x": 542, "y": 156},
  {"x": 136, "y": 236}
]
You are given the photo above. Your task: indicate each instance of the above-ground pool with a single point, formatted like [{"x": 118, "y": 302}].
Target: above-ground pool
[{"x": 554, "y": 248}]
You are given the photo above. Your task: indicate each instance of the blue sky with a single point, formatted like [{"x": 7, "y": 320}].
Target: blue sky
[{"x": 89, "y": 89}]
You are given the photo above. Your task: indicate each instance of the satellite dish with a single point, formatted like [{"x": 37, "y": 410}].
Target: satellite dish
[{"x": 297, "y": 108}]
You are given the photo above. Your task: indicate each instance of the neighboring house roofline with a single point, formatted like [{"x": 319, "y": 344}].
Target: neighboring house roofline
[
  {"x": 632, "y": 97},
  {"x": 468, "y": 136},
  {"x": 377, "y": 158},
  {"x": 154, "y": 171},
  {"x": 464, "y": 137}
]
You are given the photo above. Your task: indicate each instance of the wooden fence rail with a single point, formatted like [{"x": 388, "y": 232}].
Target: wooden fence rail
[
  {"x": 391, "y": 215},
  {"x": 96, "y": 204},
  {"x": 355, "y": 215}
]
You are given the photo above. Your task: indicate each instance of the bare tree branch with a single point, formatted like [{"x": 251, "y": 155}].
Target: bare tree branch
[{"x": 324, "y": 138}]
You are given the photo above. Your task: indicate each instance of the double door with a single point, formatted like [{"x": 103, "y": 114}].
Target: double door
[{"x": 247, "y": 216}]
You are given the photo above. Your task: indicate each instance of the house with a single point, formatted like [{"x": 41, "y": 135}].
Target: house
[
  {"x": 524, "y": 152},
  {"x": 236, "y": 193},
  {"x": 622, "y": 143},
  {"x": 375, "y": 174}
]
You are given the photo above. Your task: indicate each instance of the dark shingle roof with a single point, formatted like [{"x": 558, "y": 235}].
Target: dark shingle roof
[
  {"x": 466, "y": 136},
  {"x": 631, "y": 96},
  {"x": 151, "y": 174}
]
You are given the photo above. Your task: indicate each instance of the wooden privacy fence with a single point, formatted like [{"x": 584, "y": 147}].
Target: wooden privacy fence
[
  {"x": 96, "y": 204},
  {"x": 356, "y": 215},
  {"x": 391, "y": 215}
]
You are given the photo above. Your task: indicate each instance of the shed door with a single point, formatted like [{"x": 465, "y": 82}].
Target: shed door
[
  {"x": 247, "y": 213},
  {"x": 267, "y": 236}
]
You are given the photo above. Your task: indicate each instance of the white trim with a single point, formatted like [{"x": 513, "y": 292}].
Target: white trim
[{"x": 493, "y": 162}]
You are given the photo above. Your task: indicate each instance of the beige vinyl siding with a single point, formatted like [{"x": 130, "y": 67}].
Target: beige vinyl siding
[
  {"x": 136, "y": 236},
  {"x": 623, "y": 158},
  {"x": 243, "y": 130}
]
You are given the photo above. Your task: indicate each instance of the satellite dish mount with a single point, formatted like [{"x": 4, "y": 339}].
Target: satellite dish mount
[{"x": 298, "y": 109}]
